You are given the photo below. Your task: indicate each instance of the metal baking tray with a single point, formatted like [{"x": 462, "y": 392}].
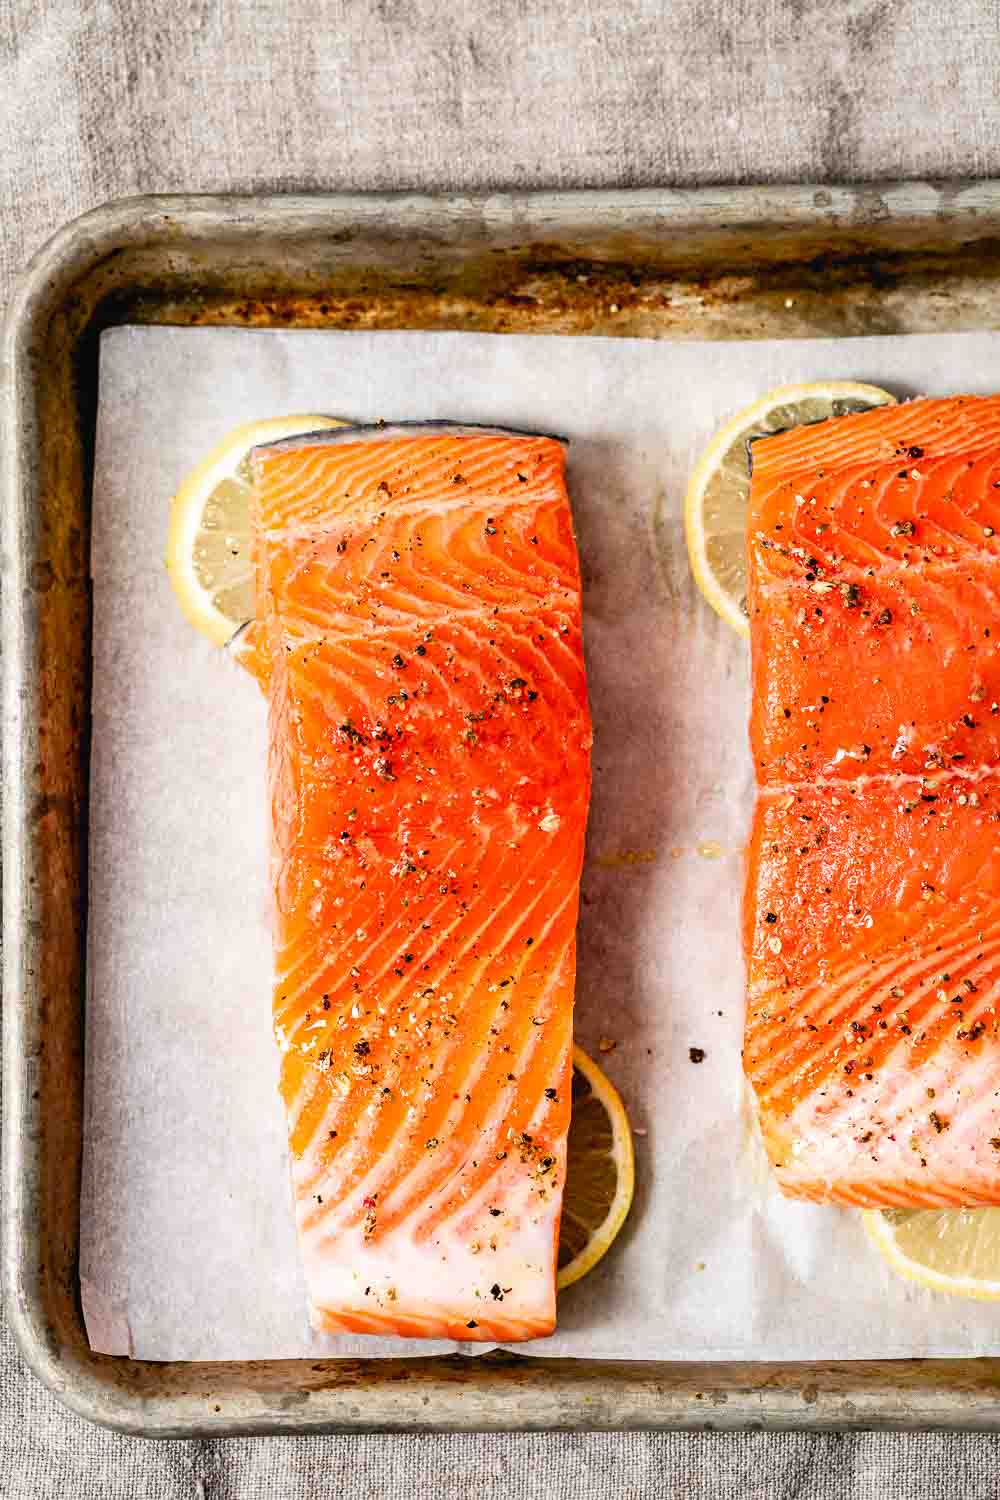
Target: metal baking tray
[{"x": 718, "y": 263}]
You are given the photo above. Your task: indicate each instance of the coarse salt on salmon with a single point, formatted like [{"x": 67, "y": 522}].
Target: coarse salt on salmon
[
  {"x": 418, "y": 592},
  {"x": 872, "y": 911}
]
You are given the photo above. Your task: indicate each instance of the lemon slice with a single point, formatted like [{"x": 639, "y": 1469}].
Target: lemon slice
[
  {"x": 715, "y": 509},
  {"x": 600, "y": 1172},
  {"x": 208, "y": 544},
  {"x": 955, "y": 1250}
]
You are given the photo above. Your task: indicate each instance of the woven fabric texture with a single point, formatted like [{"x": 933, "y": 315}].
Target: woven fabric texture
[{"x": 104, "y": 99}]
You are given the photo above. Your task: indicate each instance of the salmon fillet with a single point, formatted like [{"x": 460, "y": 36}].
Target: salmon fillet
[
  {"x": 418, "y": 606},
  {"x": 872, "y": 908}
]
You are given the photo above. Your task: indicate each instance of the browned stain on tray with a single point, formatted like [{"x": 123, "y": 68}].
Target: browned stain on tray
[
  {"x": 794, "y": 283},
  {"x": 721, "y": 264}
]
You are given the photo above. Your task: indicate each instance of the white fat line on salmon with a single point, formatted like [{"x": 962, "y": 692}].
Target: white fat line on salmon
[
  {"x": 549, "y": 611},
  {"x": 380, "y": 474},
  {"x": 845, "y": 991},
  {"x": 880, "y": 565},
  {"x": 848, "y": 442},
  {"x": 359, "y": 1146},
  {"x": 412, "y": 1193},
  {"x": 351, "y": 521},
  {"x": 544, "y": 1168},
  {"x": 432, "y": 599},
  {"x": 304, "y": 490},
  {"x": 982, "y": 775},
  {"x": 495, "y": 1122},
  {"x": 337, "y": 960},
  {"x": 483, "y": 1059},
  {"x": 894, "y": 1065},
  {"x": 472, "y": 981}
]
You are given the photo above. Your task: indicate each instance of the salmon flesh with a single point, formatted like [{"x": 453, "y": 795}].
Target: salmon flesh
[
  {"x": 872, "y": 911},
  {"x": 418, "y": 625}
]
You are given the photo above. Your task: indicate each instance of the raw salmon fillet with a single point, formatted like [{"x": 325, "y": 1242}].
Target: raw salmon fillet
[
  {"x": 872, "y": 910},
  {"x": 418, "y": 592}
]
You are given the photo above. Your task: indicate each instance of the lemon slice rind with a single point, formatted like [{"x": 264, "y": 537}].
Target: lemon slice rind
[
  {"x": 220, "y": 479},
  {"x": 717, "y": 543},
  {"x": 892, "y": 1230},
  {"x": 603, "y": 1236}
]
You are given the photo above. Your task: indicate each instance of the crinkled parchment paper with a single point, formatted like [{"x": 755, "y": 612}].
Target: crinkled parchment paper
[{"x": 188, "y": 1249}]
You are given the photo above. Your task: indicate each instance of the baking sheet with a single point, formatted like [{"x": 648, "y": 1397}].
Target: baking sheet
[{"x": 187, "y": 1244}]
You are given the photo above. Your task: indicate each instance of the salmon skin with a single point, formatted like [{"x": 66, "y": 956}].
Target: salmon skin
[
  {"x": 872, "y": 907},
  {"x": 418, "y": 611}
]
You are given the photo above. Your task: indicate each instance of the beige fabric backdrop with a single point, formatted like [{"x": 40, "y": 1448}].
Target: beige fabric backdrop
[{"x": 106, "y": 98}]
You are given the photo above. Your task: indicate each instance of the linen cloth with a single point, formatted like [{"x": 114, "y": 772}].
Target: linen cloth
[{"x": 104, "y": 99}]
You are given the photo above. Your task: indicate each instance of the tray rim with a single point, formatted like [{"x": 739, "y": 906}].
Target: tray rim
[{"x": 452, "y": 1393}]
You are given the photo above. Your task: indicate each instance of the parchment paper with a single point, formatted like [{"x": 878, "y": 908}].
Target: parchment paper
[{"x": 188, "y": 1250}]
